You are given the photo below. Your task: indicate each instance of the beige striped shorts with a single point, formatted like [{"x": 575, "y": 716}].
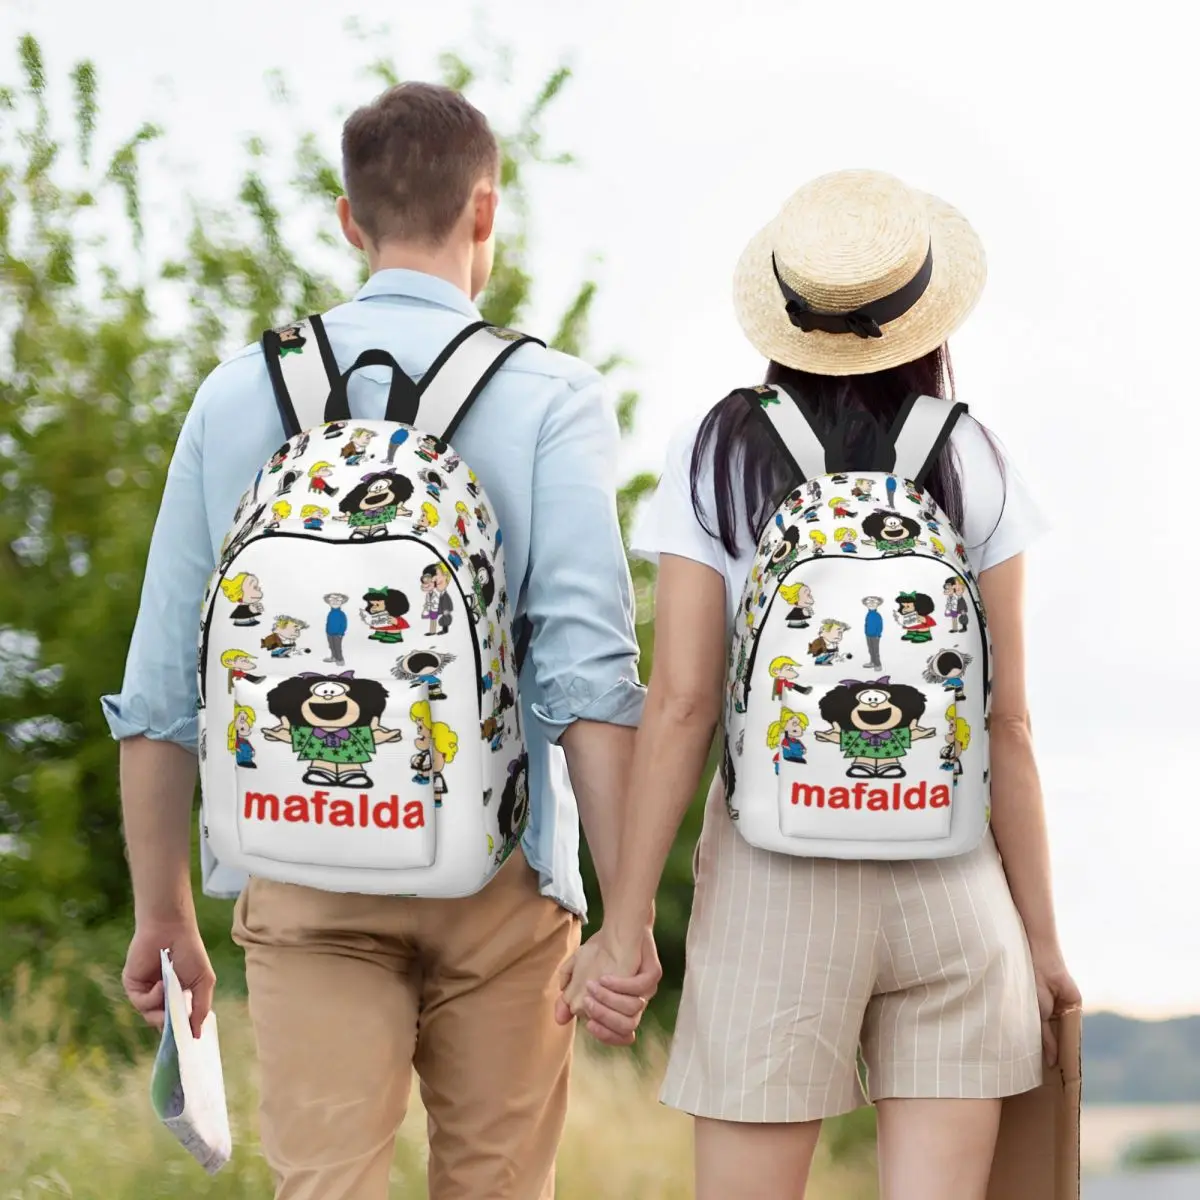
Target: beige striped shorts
[{"x": 796, "y": 965}]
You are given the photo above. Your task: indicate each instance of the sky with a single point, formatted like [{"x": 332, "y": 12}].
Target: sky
[{"x": 1061, "y": 133}]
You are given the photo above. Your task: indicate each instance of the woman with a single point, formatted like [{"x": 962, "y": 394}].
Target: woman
[{"x": 935, "y": 968}]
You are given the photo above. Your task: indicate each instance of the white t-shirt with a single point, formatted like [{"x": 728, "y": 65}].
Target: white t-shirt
[{"x": 1001, "y": 518}]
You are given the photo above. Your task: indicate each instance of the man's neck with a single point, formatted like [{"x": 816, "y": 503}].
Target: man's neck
[{"x": 451, "y": 263}]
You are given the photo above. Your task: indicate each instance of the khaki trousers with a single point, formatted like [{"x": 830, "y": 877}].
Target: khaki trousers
[{"x": 348, "y": 993}]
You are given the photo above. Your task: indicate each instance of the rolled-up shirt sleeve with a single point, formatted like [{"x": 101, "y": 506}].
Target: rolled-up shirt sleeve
[
  {"x": 579, "y": 595},
  {"x": 159, "y": 692}
]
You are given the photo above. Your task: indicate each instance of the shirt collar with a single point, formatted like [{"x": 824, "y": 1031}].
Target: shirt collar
[{"x": 416, "y": 285}]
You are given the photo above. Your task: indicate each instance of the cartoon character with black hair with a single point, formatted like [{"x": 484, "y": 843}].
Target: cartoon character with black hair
[
  {"x": 948, "y": 667},
  {"x": 436, "y": 744},
  {"x": 957, "y": 609},
  {"x": 275, "y": 465},
  {"x": 514, "y": 801},
  {"x": 291, "y": 340},
  {"x": 424, "y": 667},
  {"x": 914, "y": 614},
  {"x": 333, "y": 724},
  {"x": 914, "y": 493},
  {"x": 438, "y": 607},
  {"x": 433, "y": 483},
  {"x": 728, "y": 778},
  {"x": 784, "y": 737},
  {"x": 891, "y": 533},
  {"x": 450, "y": 463},
  {"x": 287, "y": 481},
  {"x": 785, "y": 551},
  {"x": 874, "y": 723},
  {"x": 799, "y": 599},
  {"x": 334, "y": 429},
  {"x": 378, "y": 499},
  {"x": 493, "y": 728},
  {"x": 958, "y": 738},
  {"x": 383, "y": 613},
  {"x": 484, "y": 584},
  {"x": 430, "y": 448},
  {"x": 814, "y": 490},
  {"x": 824, "y": 649}
]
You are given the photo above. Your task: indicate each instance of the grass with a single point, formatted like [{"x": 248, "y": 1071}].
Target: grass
[{"x": 77, "y": 1123}]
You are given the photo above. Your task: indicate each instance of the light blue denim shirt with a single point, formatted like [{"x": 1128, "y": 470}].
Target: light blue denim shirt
[{"x": 544, "y": 441}]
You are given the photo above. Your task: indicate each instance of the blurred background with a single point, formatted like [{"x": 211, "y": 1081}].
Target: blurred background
[{"x": 167, "y": 176}]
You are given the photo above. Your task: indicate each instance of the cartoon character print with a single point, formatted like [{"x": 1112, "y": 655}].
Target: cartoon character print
[
  {"x": 891, "y": 491},
  {"x": 514, "y": 802},
  {"x": 847, "y": 539},
  {"x": 244, "y": 592},
  {"x": 427, "y": 520},
  {"x": 483, "y": 582},
  {"x": 378, "y": 499},
  {"x": 334, "y": 429},
  {"x": 424, "y": 668},
  {"x": 319, "y": 475},
  {"x": 939, "y": 550},
  {"x": 818, "y": 540},
  {"x": 433, "y": 483},
  {"x": 873, "y": 631},
  {"x": 948, "y": 667},
  {"x": 914, "y": 493},
  {"x": 383, "y": 613},
  {"x": 291, "y": 340},
  {"x": 729, "y": 779},
  {"x": 799, "y": 599},
  {"x": 398, "y": 438},
  {"x": 301, "y": 447},
  {"x": 437, "y": 606},
  {"x": 914, "y": 614},
  {"x": 313, "y": 516},
  {"x": 281, "y": 510},
  {"x": 874, "y": 723},
  {"x": 738, "y": 688},
  {"x": 276, "y": 461},
  {"x": 472, "y": 484},
  {"x": 336, "y": 624},
  {"x": 862, "y": 491},
  {"x": 784, "y": 736},
  {"x": 450, "y": 463},
  {"x": 240, "y": 664},
  {"x": 493, "y": 728},
  {"x": 332, "y": 723},
  {"x": 825, "y": 648},
  {"x": 454, "y": 552},
  {"x": 840, "y": 507},
  {"x": 238, "y": 736},
  {"x": 958, "y": 738},
  {"x": 430, "y": 448},
  {"x": 355, "y": 449},
  {"x": 287, "y": 481},
  {"x": 284, "y": 638},
  {"x": 436, "y": 744},
  {"x": 785, "y": 672},
  {"x": 483, "y": 518},
  {"x": 461, "y": 513},
  {"x": 890, "y": 533},
  {"x": 957, "y": 608}
]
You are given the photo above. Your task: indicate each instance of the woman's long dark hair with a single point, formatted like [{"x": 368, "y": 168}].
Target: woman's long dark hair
[{"x": 856, "y": 410}]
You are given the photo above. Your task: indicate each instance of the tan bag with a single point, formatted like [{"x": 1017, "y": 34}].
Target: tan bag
[{"x": 1037, "y": 1153}]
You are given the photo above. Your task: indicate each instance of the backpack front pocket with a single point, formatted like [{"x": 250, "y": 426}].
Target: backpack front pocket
[{"x": 333, "y": 771}]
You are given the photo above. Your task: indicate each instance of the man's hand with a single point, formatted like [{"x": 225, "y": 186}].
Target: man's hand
[
  {"x": 610, "y": 987},
  {"x": 142, "y": 977}
]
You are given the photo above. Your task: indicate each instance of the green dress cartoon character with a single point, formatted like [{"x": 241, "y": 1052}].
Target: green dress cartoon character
[
  {"x": 333, "y": 724},
  {"x": 875, "y": 723},
  {"x": 378, "y": 499},
  {"x": 890, "y": 533}
]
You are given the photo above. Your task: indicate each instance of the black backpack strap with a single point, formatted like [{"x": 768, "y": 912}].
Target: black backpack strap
[
  {"x": 793, "y": 427},
  {"x": 302, "y": 370},
  {"x": 460, "y": 373},
  {"x": 919, "y": 434},
  {"x": 523, "y": 636}
]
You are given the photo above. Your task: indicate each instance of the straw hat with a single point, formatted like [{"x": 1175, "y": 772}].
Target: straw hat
[{"x": 857, "y": 273}]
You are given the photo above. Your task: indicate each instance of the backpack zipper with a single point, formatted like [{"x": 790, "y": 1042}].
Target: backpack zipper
[
  {"x": 307, "y": 537},
  {"x": 976, "y": 604}
]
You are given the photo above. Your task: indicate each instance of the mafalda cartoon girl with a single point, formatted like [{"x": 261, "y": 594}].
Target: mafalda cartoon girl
[
  {"x": 890, "y": 533},
  {"x": 914, "y": 614},
  {"x": 333, "y": 724},
  {"x": 378, "y": 500},
  {"x": 784, "y": 737},
  {"x": 874, "y": 723}
]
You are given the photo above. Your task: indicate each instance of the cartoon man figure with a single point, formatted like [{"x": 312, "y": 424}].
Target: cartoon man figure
[
  {"x": 336, "y": 623},
  {"x": 955, "y": 591},
  {"x": 284, "y": 636},
  {"x": 824, "y": 649},
  {"x": 873, "y": 629}
]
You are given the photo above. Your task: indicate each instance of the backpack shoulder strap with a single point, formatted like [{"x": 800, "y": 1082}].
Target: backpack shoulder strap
[
  {"x": 302, "y": 370},
  {"x": 792, "y": 425},
  {"x": 919, "y": 434},
  {"x": 460, "y": 373}
]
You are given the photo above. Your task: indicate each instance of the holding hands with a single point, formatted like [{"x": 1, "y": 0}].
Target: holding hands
[{"x": 608, "y": 984}]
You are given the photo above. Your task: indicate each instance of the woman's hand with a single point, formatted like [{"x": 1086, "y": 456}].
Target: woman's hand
[
  {"x": 610, "y": 986},
  {"x": 1056, "y": 992}
]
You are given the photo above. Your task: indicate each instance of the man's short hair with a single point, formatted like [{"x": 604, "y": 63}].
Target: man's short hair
[{"x": 410, "y": 159}]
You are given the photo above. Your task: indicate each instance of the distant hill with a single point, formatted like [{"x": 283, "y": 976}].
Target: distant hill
[{"x": 1126, "y": 1061}]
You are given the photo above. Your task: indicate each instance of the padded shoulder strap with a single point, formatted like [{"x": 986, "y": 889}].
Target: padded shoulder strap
[
  {"x": 302, "y": 371},
  {"x": 920, "y": 432},
  {"x": 792, "y": 425}
]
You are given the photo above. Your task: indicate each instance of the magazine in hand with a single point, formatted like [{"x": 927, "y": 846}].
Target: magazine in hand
[{"x": 187, "y": 1088}]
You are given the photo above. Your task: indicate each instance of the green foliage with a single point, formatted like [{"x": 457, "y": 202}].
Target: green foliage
[
  {"x": 1161, "y": 1149},
  {"x": 93, "y": 386}
]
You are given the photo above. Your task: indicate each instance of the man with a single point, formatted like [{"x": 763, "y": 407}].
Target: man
[
  {"x": 349, "y": 992},
  {"x": 336, "y": 624}
]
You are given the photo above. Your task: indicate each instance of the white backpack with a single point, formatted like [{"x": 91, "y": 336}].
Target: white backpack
[
  {"x": 856, "y": 719},
  {"x": 359, "y": 717}
]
